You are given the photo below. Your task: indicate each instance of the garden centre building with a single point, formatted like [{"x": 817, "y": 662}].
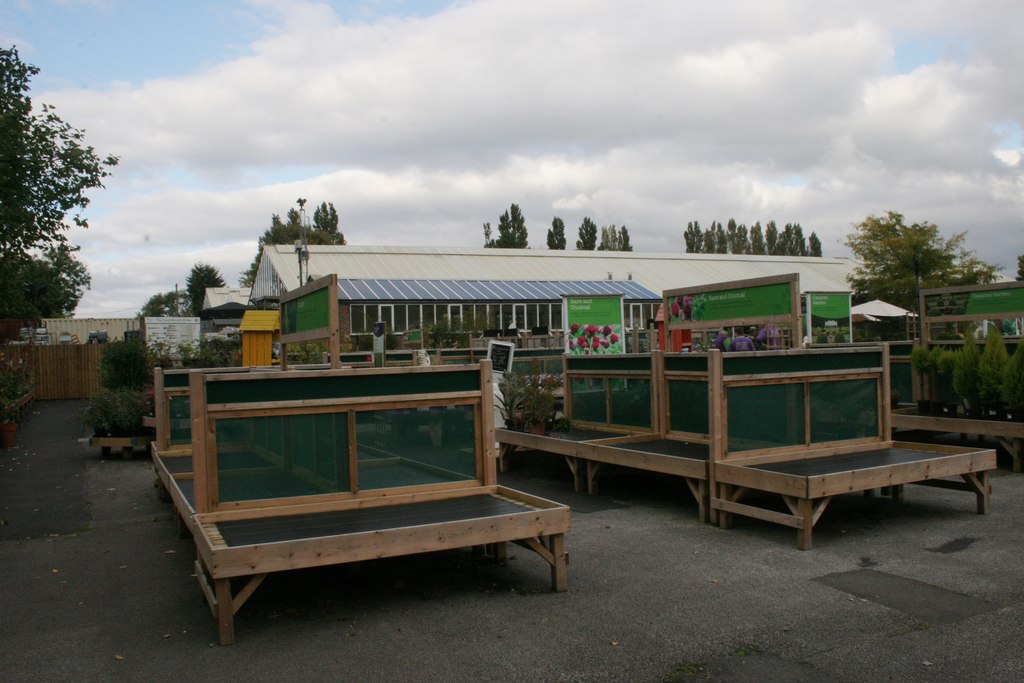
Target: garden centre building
[{"x": 512, "y": 289}]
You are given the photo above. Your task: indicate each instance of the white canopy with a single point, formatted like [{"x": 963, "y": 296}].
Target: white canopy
[{"x": 879, "y": 309}]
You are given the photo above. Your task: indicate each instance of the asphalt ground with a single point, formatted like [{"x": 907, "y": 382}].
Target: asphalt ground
[{"x": 98, "y": 586}]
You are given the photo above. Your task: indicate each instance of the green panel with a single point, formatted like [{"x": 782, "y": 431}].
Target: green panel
[
  {"x": 686, "y": 362},
  {"x": 282, "y": 456},
  {"x": 613, "y": 363},
  {"x": 631, "y": 402},
  {"x": 688, "y": 406},
  {"x": 810, "y": 362},
  {"x": 767, "y": 416},
  {"x": 176, "y": 380},
  {"x": 846, "y": 409},
  {"x": 306, "y": 313},
  {"x": 413, "y": 447},
  {"x": 339, "y": 386},
  {"x": 180, "y": 411},
  {"x": 732, "y": 304},
  {"x": 901, "y": 380},
  {"x": 588, "y": 400}
]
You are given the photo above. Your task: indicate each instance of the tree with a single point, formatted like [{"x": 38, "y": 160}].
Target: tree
[
  {"x": 49, "y": 286},
  {"x": 814, "y": 245},
  {"x": 45, "y": 168},
  {"x": 512, "y": 232},
  {"x": 165, "y": 305},
  {"x": 556, "y": 235},
  {"x": 693, "y": 236},
  {"x": 200, "y": 277},
  {"x": 324, "y": 230},
  {"x": 614, "y": 239},
  {"x": 890, "y": 252},
  {"x": 1020, "y": 267},
  {"x": 588, "y": 235},
  {"x": 757, "y": 245},
  {"x": 771, "y": 239}
]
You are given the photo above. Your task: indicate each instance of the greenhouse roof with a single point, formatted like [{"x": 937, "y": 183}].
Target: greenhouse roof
[{"x": 487, "y": 290}]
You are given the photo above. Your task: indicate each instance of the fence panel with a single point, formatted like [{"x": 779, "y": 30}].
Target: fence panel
[{"x": 61, "y": 371}]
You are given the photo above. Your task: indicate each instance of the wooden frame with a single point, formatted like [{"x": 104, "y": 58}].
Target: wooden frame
[
  {"x": 807, "y": 476},
  {"x": 243, "y": 541},
  {"x": 303, "y": 332}
]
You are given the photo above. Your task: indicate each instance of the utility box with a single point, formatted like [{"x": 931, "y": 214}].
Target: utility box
[{"x": 260, "y": 331}]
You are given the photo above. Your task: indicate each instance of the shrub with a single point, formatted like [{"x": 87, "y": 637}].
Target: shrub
[
  {"x": 990, "y": 367},
  {"x": 125, "y": 364},
  {"x": 116, "y": 412},
  {"x": 965, "y": 372},
  {"x": 1013, "y": 380}
]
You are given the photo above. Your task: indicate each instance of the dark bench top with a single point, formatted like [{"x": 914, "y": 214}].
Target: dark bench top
[
  {"x": 360, "y": 520},
  {"x": 850, "y": 462},
  {"x": 667, "y": 447}
]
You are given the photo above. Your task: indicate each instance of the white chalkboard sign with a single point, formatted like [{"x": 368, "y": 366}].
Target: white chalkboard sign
[{"x": 500, "y": 354}]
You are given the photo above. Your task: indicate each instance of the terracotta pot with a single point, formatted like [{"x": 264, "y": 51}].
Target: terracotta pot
[{"x": 7, "y": 432}]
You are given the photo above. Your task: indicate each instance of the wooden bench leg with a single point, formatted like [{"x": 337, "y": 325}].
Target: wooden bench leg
[
  {"x": 225, "y": 612},
  {"x": 805, "y": 513},
  {"x": 592, "y": 470},
  {"x": 127, "y": 452},
  {"x": 559, "y": 578},
  {"x": 724, "y": 518}
]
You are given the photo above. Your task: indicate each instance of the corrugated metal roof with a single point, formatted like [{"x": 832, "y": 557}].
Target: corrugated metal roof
[
  {"x": 655, "y": 271},
  {"x": 487, "y": 290}
]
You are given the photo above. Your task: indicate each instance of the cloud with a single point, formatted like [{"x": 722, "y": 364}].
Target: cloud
[{"x": 648, "y": 114}]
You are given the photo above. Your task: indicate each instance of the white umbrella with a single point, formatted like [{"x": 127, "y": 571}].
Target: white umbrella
[{"x": 880, "y": 309}]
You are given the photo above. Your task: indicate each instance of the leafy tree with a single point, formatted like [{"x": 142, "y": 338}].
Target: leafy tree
[
  {"x": 324, "y": 230},
  {"x": 737, "y": 238},
  {"x": 771, "y": 239},
  {"x": 511, "y": 231},
  {"x": 49, "y": 286},
  {"x": 201, "y": 277},
  {"x": 890, "y": 252},
  {"x": 588, "y": 235},
  {"x": 757, "y": 245},
  {"x": 165, "y": 305},
  {"x": 814, "y": 245},
  {"x": 715, "y": 239},
  {"x": 693, "y": 236},
  {"x": 556, "y": 235},
  {"x": 1020, "y": 267},
  {"x": 614, "y": 239},
  {"x": 45, "y": 168}
]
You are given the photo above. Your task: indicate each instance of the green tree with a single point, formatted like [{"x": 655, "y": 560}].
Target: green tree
[
  {"x": 48, "y": 286},
  {"x": 1020, "y": 267},
  {"x": 45, "y": 168},
  {"x": 511, "y": 231},
  {"x": 757, "y": 245},
  {"x": 556, "y": 235},
  {"x": 890, "y": 252},
  {"x": 324, "y": 230},
  {"x": 163, "y": 305},
  {"x": 199, "y": 278},
  {"x": 614, "y": 239},
  {"x": 693, "y": 236},
  {"x": 814, "y": 245},
  {"x": 588, "y": 235},
  {"x": 771, "y": 239}
]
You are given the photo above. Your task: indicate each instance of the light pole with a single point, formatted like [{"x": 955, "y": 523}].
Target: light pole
[{"x": 300, "y": 247}]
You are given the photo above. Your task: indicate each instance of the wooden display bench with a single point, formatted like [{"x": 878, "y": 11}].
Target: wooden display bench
[
  {"x": 126, "y": 444},
  {"x": 354, "y": 475},
  {"x": 834, "y": 441},
  {"x": 1010, "y": 435},
  {"x": 602, "y": 438}
]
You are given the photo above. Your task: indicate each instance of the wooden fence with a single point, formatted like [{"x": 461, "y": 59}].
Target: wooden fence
[{"x": 60, "y": 371}]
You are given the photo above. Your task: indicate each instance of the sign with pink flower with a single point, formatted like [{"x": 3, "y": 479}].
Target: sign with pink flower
[{"x": 593, "y": 324}]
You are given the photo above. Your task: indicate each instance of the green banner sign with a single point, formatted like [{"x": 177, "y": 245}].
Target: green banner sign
[
  {"x": 308, "y": 312},
  {"x": 593, "y": 325},
  {"x": 828, "y": 318},
  {"x": 732, "y": 304},
  {"x": 1007, "y": 302}
]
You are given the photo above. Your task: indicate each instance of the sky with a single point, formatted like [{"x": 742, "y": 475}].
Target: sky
[{"x": 421, "y": 121}]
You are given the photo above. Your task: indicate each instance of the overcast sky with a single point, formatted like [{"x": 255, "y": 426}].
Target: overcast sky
[{"x": 420, "y": 121}]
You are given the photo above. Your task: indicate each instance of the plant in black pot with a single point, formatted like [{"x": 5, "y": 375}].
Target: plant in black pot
[
  {"x": 990, "y": 374},
  {"x": 965, "y": 376},
  {"x": 117, "y": 411},
  {"x": 1013, "y": 384},
  {"x": 923, "y": 363}
]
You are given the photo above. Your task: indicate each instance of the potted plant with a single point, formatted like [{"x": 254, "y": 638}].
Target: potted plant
[
  {"x": 15, "y": 394},
  {"x": 965, "y": 376},
  {"x": 1013, "y": 384},
  {"x": 990, "y": 374},
  {"x": 923, "y": 363},
  {"x": 529, "y": 400},
  {"x": 116, "y": 413}
]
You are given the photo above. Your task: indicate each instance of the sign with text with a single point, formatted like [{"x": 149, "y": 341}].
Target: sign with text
[
  {"x": 828, "y": 317},
  {"x": 172, "y": 332},
  {"x": 500, "y": 354},
  {"x": 593, "y": 324}
]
